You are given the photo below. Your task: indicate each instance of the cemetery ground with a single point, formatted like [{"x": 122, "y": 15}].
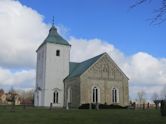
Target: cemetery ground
[{"x": 31, "y": 115}]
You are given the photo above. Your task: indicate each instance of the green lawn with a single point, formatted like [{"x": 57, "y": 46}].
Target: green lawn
[{"x": 59, "y": 116}]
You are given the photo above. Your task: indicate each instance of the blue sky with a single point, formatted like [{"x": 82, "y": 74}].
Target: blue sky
[{"x": 110, "y": 20}]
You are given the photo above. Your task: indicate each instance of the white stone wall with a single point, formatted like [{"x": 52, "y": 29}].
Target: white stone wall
[
  {"x": 40, "y": 76},
  {"x": 57, "y": 68},
  {"x": 51, "y": 71}
]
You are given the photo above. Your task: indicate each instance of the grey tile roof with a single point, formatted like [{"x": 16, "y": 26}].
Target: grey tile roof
[
  {"x": 76, "y": 69},
  {"x": 54, "y": 37}
]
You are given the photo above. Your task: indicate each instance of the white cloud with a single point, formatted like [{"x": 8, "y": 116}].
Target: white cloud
[
  {"x": 17, "y": 79},
  {"x": 145, "y": 69},
  {"x": 89, "y": 48},
  {"x": 22, "y": 30}
]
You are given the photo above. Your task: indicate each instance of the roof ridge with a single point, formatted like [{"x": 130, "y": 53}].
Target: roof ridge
[
  {"x": 80, "y": 68},
  {"x": 94, "y": 57},
  {"x": 76, "y": 62}
]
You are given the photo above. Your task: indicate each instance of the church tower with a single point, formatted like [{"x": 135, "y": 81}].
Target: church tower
[{"x": 53, "y": 57}]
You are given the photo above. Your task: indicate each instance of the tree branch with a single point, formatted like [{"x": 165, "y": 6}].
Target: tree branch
[{"x": 160, "y": 14}]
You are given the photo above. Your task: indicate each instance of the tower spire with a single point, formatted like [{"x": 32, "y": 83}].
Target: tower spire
[{"x": 53, "y": 21}]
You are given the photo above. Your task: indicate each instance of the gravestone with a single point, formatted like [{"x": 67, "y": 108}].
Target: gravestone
[
  {"x": 13, "y": 103},
  {"x": 97, "y": 106},
  {"x": 50, "y": 106},
  {"x": 143, "y": 106},
  {"x": 90, "y": 105},
  {"x": 148, "y": 105}
]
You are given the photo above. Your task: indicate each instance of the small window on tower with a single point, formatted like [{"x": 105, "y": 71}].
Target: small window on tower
[{"x": 58, "y": 53}]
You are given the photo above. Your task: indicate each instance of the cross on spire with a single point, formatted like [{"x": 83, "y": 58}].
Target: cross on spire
[{"x": 53, "y": 21}]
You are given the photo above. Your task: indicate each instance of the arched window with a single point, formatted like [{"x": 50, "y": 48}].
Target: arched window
[
  {"x": 55, "y": 97},
  {"x": 115, "y": 95},
  {"x": 95, "y": 95},
  {"x": 69, "y": 93},
  {"x": 58, "y": 53}
]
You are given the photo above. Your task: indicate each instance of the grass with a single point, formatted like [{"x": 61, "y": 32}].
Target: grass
[{"x": 59, "y": 116}]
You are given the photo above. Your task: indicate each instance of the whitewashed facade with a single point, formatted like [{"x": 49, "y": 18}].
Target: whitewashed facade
[{"x": 52, "y": 68}]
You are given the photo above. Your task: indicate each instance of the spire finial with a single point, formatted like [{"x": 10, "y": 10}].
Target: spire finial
[{"x": 53, "y": 21}]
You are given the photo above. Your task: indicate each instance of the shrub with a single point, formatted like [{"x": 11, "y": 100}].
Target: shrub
[
  {"x": 102, "y": 106},
  {"x": 163, "y": 108}
]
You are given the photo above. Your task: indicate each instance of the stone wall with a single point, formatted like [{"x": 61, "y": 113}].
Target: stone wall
[
  {"x": 74, "y": 84},
  {"x": 106, "y": 75}
]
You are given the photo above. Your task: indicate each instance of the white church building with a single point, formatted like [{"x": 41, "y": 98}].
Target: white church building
[{"x": 60, "y": 82}]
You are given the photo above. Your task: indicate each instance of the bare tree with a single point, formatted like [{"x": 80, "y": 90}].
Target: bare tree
[
  {"x": 26, "y": 96},
  {"x": 2, "y": 91},
  {"x": 13, "y": 94},
  {"x": 155, "y": 98},
  {"x": 163, "y": 93},
  {"x": 141, "y": 97},
  {"x": 160, "y": 12},
  {"x": 12, "y": 90}
]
